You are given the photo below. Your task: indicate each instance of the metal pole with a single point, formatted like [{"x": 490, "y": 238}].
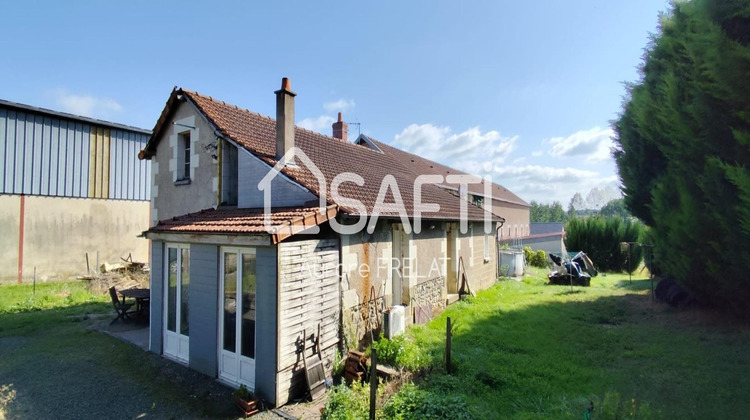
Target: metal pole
[{"x": 373, "y": 382}]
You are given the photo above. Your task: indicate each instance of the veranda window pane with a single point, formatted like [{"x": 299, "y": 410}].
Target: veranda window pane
[
  {"x": 230, "y": 301},
  {"x": 184, "y": 292},
  {"x": 172, "y": 290},
  {"x": 248, "y": 305}
]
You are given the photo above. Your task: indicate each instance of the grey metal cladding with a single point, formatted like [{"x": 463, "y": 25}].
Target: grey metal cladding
[
  {"x": 47, "y": 153},
  {"x": 130, "y": 178}
]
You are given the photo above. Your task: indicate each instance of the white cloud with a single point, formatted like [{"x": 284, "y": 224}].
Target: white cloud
[
  {"x": 546, "y": 174},
  {"x": 87, "y": 105},
  {"x": 537, "y": 153},
  {"x": 471, "y": 151},
  {"x": 322, "y": 124},
  {"x": 593, "y": 144},
  {"x": 340, "y": 105},
  {"x": 547, "y": 184}
]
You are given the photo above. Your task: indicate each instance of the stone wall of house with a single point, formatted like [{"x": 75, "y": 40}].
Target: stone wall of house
[
  {"x": 366, "y": 293},
  {"x": 431, "y": 291},
  {"x": 170, "y": 196}
]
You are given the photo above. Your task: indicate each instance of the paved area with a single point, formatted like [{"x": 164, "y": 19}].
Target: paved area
[{"x": 133, "y": 333}]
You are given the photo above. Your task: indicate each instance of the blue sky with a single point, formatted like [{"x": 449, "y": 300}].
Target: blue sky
[{"x": 523, "y": 91}]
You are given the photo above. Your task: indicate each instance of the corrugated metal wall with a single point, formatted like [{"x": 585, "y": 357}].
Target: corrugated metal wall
[{"x": 54, "y": 156}]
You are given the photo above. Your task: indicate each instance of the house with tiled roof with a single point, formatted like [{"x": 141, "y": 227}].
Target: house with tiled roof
[{"x": 269, "y": 240}]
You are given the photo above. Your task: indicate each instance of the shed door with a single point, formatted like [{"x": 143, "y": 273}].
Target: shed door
[
  {"x": 176, "y": 287},
  {"x": 237, "y": 316}
]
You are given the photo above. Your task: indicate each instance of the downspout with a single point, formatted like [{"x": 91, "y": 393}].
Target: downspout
[{"x": 497, "y": 247}]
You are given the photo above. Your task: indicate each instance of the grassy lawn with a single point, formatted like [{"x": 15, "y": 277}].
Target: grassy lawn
[
  {"x": 54, "y": 365},
  {"x": 526, "y": 350}
]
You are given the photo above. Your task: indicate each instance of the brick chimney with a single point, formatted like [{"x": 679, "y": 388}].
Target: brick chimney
[
  {"x": 340, "y": 128},
  {"x": 284, "y": 118}
]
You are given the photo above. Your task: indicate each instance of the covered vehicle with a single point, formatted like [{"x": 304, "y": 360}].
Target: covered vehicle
[{"x": 574, "y": 272}]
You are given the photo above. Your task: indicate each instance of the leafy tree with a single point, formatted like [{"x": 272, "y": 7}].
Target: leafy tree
[
  {"x": 547, "y": 212},
  {"x": 615, "y": 208},
  {"x": 576, "y": 202},
  {"x": 683, "y": 148}
]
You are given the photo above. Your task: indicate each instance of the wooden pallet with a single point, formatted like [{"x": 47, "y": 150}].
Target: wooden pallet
[{"x": 314, "y": 372}]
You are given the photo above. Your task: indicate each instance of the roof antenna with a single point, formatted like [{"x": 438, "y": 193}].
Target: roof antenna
[{"x": 359, "y": 127}]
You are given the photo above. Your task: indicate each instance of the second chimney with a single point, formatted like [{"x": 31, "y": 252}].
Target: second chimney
[
  {"x": 284, "y": 119},
  {"x": 340, "y": 128}
]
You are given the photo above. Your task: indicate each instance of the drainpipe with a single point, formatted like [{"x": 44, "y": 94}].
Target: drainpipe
[{"x": 497, "y": 248}]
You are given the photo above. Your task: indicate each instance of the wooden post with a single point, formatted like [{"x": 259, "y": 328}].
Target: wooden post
[
  {"x": 34, "y": 280},
  {"x": 88, "y": 267},
  {"x": 448, "y": 346},
  {"x": 373, "y": 382}
]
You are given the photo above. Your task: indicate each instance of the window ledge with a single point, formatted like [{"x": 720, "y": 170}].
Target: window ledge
[
  {"x": 185, "y": 181},
  {"x": 486, "y": 259}
]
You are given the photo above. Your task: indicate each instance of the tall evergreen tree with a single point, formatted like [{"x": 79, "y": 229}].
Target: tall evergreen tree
[{"x": 683, "y": 148}]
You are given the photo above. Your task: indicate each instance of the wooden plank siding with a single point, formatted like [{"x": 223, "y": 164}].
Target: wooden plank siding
[{"x": 308, "y": 297}]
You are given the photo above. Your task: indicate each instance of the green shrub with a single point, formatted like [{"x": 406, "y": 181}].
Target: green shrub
[
  {"x": 346, "y": 403},
  {"x": 412, "y": 403},
  {"x": 399, "y": 352},
  {"x": 539, "y": 259},
  {"x": 535, "y": 258},
  {"x": 528, "y": 254}
]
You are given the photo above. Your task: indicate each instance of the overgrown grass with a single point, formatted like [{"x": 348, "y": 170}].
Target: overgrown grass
[
  {"x": 24, "y": 310},
  {"x": 527, "y": 350}
]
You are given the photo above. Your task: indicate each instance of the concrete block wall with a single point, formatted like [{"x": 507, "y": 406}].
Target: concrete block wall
[{"x": 59, "y": 231}]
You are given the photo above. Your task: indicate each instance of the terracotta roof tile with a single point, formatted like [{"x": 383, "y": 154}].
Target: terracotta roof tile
[
  {"x": 257, "y": 134},
  {"x": 421, "y": 165},
  {"x": 284, "y": 222}
]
